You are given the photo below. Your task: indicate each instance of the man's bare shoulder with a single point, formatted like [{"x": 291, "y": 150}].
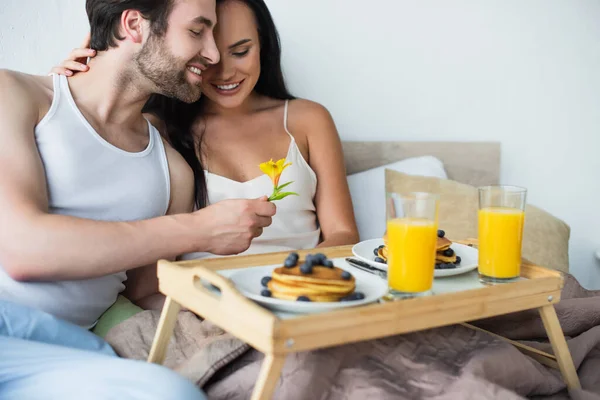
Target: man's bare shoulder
[
  {"x": 182, "y": 181},
  {"x": 176, "y": 160},
  {"x": 180, "y": 172},
  {"x": 157, "y": 123},
  {"x": 25, "y": 92},
  {"x": 31, "y": 84}
]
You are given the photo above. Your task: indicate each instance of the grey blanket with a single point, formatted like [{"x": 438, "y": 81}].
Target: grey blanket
[{"x": 452, "y": 362}]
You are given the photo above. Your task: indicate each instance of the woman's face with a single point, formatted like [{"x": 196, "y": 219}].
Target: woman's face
[{"x": 231, "y": 81}]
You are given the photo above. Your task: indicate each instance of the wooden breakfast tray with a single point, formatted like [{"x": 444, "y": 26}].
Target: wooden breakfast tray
[{"x": 277, "y": 336}]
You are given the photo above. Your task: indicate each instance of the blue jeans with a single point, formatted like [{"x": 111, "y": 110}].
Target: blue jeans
[{"x": 42, "y": 357}]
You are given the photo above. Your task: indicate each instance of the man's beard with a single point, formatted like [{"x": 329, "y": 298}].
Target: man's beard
[{"x": 165, "y": 71}]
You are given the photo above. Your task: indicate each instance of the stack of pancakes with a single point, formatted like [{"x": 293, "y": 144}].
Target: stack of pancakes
[
  {"x": 442, "y": 245},
  {"x": 323, "y": 284}
]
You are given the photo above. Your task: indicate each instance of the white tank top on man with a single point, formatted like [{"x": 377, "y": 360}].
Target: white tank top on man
[
  {"x": 295, "y": 224},
  {"x": 88, "y": 177}
]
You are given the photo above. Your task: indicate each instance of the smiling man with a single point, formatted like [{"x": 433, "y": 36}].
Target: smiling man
[{"x": 89, "y": 191}]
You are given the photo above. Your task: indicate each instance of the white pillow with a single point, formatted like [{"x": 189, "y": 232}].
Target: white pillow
[{"x": 367, "y": 189}]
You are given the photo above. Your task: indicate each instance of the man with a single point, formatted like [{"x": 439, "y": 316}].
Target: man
[{"x": 85, "y": 185}]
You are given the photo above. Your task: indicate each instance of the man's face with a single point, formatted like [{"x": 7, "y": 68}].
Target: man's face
[{"x": 174, "y": 62}]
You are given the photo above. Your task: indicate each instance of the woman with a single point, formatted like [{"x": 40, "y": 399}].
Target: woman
[{"x": 247, "y": 116}]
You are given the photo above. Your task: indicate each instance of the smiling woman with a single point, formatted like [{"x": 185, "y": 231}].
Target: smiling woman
[{"x": 247, "y": 116}]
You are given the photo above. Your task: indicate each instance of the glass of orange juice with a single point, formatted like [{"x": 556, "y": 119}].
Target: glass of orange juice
[
  {"x": 501, "y": 220},
  {"x": 412, "y": 222}
]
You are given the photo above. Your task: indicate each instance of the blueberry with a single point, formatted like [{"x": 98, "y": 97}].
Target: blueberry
[
  {"x": 354, "y": 296},
  {"x": 447, "y": 266},
  {"x": 266, "y": 293},
  {"x": 302, "y": 298},
  {"x": 376, "y": 251},
  {"x": 290, "y": 262},
  {"x": 379, "y": 260},
  {"x": 306, "y": 268},
  {"x": 438, "y": 266},
  {"x": 320, "y": 258},
  {"x": 458, "y": 260},
  {"x": 328, "y": 263},
  {"x": 441, "y": 233},
  {"x": 346, "y": 275},
  {"x": 381, "y": 247},
  {"x": 310, "y": 260},
  {"x": 448, "y": 252},
  {"x": 265, "y": 280}
]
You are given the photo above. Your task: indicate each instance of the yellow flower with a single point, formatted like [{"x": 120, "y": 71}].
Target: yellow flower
[{"x": 274, "y": 169}]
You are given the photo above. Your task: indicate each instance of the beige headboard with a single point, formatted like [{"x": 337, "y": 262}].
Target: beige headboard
[{"x": 474, "y": 163}]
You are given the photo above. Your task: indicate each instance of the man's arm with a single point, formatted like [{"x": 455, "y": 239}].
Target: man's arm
[{"x": 36, "y": 245}]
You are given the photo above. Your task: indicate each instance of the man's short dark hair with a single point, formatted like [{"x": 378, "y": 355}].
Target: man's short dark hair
[{"x": 105, "y": 16}]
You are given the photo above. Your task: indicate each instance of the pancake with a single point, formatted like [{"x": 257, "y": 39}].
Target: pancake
[
  {"x": 320, "y": 275},
  {"x": 300, "y": 288},
  {"x": 383, "y": 253},
  {"x": 445, "y": 259},
  {"x": 313, "y": 297},
  {"x": 442, "y": 244},
  {"x": 323, "y": 284},
  {"x": 287, "y": 291}
]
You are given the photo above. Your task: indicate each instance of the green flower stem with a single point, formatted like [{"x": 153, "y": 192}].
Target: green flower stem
[{"x": 278, "y": 195}]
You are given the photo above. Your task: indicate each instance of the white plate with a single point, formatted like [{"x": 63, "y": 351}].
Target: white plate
[
  {"x": 468, "y": 255},
  {"x": 247, "y": 282}
]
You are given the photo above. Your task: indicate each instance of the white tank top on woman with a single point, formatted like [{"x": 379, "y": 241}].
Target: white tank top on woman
[
  {"x": 295, "y": 224},
  {"x": 87, "y": 177}
]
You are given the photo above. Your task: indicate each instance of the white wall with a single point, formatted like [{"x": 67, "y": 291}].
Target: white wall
[{"x": 526, "y": 73}]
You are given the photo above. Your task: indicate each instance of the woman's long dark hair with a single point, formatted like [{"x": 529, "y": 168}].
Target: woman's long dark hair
[{"x": 179, "y": 117}]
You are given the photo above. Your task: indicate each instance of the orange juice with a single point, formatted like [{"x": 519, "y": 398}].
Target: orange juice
[
  {"x": 411, "y": 254},
  {"x": 500, "y": 237}
]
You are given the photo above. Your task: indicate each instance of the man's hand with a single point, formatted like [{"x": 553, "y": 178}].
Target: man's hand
[{"x": 228, "y": 227}]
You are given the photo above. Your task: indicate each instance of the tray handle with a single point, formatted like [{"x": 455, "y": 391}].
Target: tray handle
[
  {"x": 194, "y": 291},
  {"x": 224, "y": 285}
]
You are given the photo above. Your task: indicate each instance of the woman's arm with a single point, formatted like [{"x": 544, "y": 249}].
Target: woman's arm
[{"x": 325, "y": 156}]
